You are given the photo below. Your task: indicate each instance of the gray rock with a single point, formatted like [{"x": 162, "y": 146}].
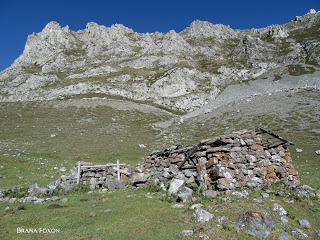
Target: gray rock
[
  {"x": 258, "y": 200},
  {"x": 203, "y": 237},
  {"x": 108, "y": 210},
  {"x": 68, "y": 186},
  {"x": 93, "y": 184},
  {"x": 12, "y": 200},
  {"x": 175, "y": 186},
  {"x": 115, "y": 184},
  {"x": 139, "y": 178},
  {"x": 2, "y": 194},
  {"x": 210, "y": 193},
  {"x": 177, "y": 205},
  {"x": 264, "y": 195},
  {"x": 185, "y": 194},
  {"x": 317, "y": 152},
  {"x": 187, "y": 233},
  {"x": 35, "y": 191},
  {"x": 299, "y": 150},
  {"x": 257, "y": 224},
  {"x": 304, "y": 223},
  {"x": 221, "y": 219},
  {"x": 284, "y": 221},
  {"x": 202, "y": 216},
  {"x": 299, "y": 233},
  {"x": 284, "y": 236},
  {"x": 279, "y": 209},
  {"x": 195, "y": 206}
]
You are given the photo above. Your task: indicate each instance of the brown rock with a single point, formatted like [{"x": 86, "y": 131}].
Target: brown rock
[
  {"x": 256, "y": 147},
  {"x": 210, "y": 162},
  {"x": 270, "y": 169}
]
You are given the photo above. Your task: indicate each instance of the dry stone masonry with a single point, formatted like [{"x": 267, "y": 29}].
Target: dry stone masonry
[
  {"x": 243, "y": 159},
  {"x": 240, "y": 160}
]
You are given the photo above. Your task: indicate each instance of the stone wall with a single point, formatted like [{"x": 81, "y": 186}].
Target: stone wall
[{"x": 239, "y": 160}]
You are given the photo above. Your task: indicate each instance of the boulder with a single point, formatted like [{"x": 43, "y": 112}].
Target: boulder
[
  {"x": 257, "y": 224},
  {"x": 139, "y": 178},
  {"x": 304, "y": 223},
  {"x": 202, "y": 216},
  {"x": 175, "y": 186},
  {"x": 185, "y": 194},
  {"x": 114, "y": 184}
]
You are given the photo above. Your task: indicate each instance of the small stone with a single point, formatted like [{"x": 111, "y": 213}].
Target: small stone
[
  {"x": 299, "y": 233},
  {"x": 258, "y": 200},
  {"x": 202, "y": 216},
  {"x": 187, "y": 233},
  {"x": 264, "y": 195},
  {"x": 284, "y": 236},
  {"x": 104, "y": 190},
  {"x": 64, "y": 200},
  {"x": 7, "y": 208},
  {"x": 221, "y": 219},
  {"x": 278, "y": 208},
  {"x": 177, "y": 205},
  {"x": 299, "y": 150},
  {"x": 284, "y": 221},
  {"x": 92, "y": 214},
  {"x": 210, "y": 193},
  {"x": 62, "y": 169},
  {"x": 317, "y": 152},
  {"x": 108, "y": 210},
  {"x": 242, "y": 194},
  {"x": 203, "y": 237},
  {"x": 195, "y": 206},
  {"x": 142, "y": 145},
  {"x": 304, "y": 223}
]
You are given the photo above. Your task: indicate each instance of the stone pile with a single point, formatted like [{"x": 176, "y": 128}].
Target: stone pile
[
  {"x": 96, "y": 176},
  {"x": 239, "y": 160}
]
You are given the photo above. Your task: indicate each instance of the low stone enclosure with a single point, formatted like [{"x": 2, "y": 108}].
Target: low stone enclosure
[
  {"x": 243, "y": 159},
  {"x": 240, "y": 160}
]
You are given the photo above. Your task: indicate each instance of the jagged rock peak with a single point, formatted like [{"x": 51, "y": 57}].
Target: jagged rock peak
[
  {"x": 119, "y": 28},
  {"x": 200, "y": 28},
  {"x": 54, "y": 26}
]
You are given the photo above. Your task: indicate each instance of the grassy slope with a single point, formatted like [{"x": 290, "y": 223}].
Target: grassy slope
[
  {"x": 99, "y": 135},
  {"x": 138, "y": 216}
]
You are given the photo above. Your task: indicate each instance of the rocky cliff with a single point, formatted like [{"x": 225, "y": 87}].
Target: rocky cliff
[{"x": 180, "y": 71}]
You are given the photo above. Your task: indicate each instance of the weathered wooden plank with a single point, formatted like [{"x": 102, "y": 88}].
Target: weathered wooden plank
[{"x": 276, "y": 136}]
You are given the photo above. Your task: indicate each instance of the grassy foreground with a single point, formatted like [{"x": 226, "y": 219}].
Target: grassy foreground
[{"x": 140, "y": 214}]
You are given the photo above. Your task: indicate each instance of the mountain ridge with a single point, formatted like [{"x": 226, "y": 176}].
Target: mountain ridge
[{"x": 180, "y": 71}]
